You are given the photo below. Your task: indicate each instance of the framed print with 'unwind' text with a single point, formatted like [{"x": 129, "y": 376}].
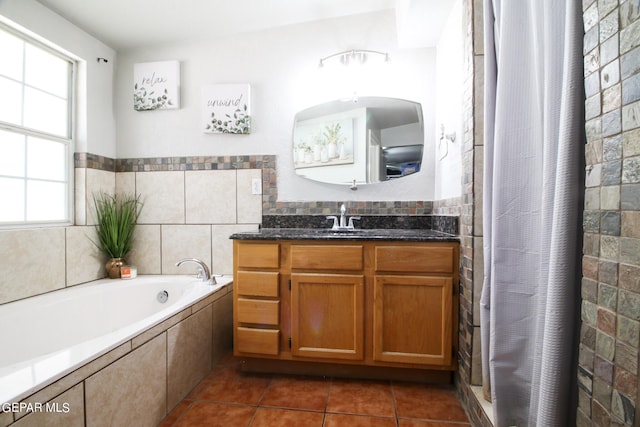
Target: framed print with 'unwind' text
[{"x": 226, "y": 108}]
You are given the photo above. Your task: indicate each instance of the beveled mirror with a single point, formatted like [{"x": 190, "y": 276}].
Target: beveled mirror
[{"x": 359, "y": 141}]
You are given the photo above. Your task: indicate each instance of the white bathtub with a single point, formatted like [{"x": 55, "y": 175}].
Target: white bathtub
[{"x": 50, "y": 335}]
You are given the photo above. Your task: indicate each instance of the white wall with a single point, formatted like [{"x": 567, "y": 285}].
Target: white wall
[
  {"x": 282, "y": 67},
  {"x": 96, "y": 130},
  {"x": 448, "y": 163}
]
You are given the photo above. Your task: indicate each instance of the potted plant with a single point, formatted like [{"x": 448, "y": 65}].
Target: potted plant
[{"x": 116, "y": 218}]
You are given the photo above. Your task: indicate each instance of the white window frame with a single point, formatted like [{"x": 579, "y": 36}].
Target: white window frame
[{"x": 69, "y": 141}]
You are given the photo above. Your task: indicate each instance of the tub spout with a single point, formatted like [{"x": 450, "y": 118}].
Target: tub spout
[{"x": 203, "y": 271}]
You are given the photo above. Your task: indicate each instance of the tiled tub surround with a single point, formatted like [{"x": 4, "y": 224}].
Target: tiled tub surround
[
  {"x": 152, "y": 369},
  {"x": 48, "y": 340}
]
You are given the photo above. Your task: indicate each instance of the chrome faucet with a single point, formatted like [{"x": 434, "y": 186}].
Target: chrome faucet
[
  {"x": 343, "y": 216},
  {"x": 341, "y": 224},
  {"x": 203, "y": 271}
]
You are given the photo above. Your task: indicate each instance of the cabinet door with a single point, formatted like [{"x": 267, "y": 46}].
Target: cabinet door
[
  {"x": 412, "y": 319},
  {"x": 327, "y": 316}
]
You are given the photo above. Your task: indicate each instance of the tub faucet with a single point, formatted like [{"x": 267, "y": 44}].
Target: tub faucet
[{"x": 203, "y": 271}]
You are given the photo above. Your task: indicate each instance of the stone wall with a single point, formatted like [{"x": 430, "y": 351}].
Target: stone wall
[
  {"x": 610, "y": 330},
  {"x": 470, "y": 211}
]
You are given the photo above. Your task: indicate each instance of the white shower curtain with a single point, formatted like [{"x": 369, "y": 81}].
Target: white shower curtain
[{"x": 533, "y": 189}]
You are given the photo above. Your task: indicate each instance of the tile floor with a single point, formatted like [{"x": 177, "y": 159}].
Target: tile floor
[{"x": 229, "y": 397}]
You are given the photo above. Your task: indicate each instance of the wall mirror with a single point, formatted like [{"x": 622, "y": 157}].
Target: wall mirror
[{"x": 359, "y": 140}]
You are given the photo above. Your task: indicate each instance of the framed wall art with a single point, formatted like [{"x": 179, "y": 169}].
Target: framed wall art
[
  {"x": 156, "y": 85},
  {"x": 226, "y": 108}
]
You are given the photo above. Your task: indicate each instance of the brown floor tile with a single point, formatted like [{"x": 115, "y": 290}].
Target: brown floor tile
[
  {"x": 361, "y": 397},
  {"x": 175, "y": 413},
  {"x": 342, "y": 420},
  {"x": 216, "y": 415},
  {"x": 233, "y": 386},
  {"x": 429, "y": 402},
  {"x": 228, "y": 397},
  {"x": 297, "y": 393},
  {"x": 420, "y": 423},
  {"x": 228, "y": 360},
  {"x": 200, "y": 387},
  {"x": 271, "y": 417}
]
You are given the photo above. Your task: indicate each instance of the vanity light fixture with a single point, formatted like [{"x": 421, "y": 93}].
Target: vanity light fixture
[{"x": 359, "y": 56}]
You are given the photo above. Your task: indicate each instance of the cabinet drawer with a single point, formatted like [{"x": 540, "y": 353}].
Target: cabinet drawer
[
  {"x": 255, "y": 255},
  {"x": 259, "y": 341},
  {"x": 258, "y": 284},
  {"x": 258, "y": 311},
  {"x": 327, "y": 257},
  {"x": 415, "y": 259}
]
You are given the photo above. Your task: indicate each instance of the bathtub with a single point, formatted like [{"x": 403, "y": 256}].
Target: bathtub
[{"x": 50, "y": 335}]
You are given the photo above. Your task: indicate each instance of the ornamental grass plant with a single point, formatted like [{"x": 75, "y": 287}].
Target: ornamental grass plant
[{"x": 116, "y": 218}]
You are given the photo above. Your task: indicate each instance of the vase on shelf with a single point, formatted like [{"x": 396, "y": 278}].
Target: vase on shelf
[
  {"x": 343, "y": 152},
  {"x": 324, "y": 155},
  {"x": 333, "y": 149}
]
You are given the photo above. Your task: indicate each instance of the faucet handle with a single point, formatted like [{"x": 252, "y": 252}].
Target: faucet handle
[
  {"x": 335, "y": 221},
  {"x": 351, "y": 221}
]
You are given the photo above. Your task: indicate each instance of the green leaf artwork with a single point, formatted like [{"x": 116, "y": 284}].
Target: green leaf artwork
[
  {"x": 156, "y": 85},
  {"x": 239, "y": 123},
  {"x": 227, "y": 108}
]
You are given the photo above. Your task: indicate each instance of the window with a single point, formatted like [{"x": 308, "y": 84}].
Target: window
[{"x": 36, "y": 166}]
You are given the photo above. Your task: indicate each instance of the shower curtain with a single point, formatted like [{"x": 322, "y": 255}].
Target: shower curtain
[{"x": 533, "y": 190}]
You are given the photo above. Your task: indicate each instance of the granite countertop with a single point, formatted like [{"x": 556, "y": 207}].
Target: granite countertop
[{"x": 408, "y": 235}]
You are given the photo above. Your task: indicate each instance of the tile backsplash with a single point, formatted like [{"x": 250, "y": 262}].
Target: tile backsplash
[{"x": 443, "y": 223}]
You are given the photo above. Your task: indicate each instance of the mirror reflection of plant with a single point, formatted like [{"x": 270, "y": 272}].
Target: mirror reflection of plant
[
  {"x": 143, "y": 101},
  {"x": 332, "y": 132},
  {"x": 240, "y": 123},
  {"x": 116, "y": 219}
]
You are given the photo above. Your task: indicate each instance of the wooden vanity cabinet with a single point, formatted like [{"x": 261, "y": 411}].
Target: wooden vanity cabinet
[
  {"x": 390, "y": 304},
  {"x": 327, "y": 316},
  {"x": 327, "y": 301},
  {"x": 256, "y": 308},
  {"x": 413, "y": 304}
]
